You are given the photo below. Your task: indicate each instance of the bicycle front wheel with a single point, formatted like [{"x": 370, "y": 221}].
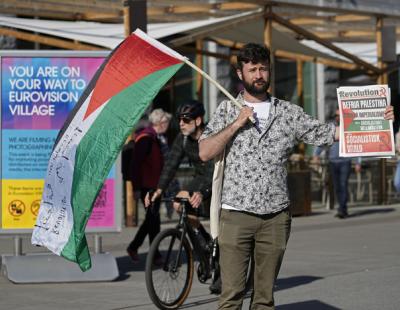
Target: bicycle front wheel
[{"x": 169, "y": 269}]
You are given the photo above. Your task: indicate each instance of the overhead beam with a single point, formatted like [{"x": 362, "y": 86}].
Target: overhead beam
[
  {"x": 70, "y": 15},
  {"x": 349, "y": 34},
  {"x": 59, "y": 6},
  {"x": 355, "y": 33},
  {"x": 111, "y": 8},
  {"x": 322, "y": 60},
  {"x": 93, "y": 10},
  {"x": 278, "y": 53},
  {"x": 324, "y": 20},
  {"x": 43, "y": 13},
  {"x": 97, "y": 4},
  {"x": 184, "y": 9},
  {"x": 344, "y": 34},
  {"x": 204, "y": 7},
  {"x": 205, "y": 32},
  {"x": 99, "y": 16},
  {"x": 65, "y": 44},
  {"x": 227, "y": 43},
  {"x": 238, "y": 5},
  {"x": 200, "y": 8},
  {"x": 311, "y": 36},
  {"x": 189, "y": 49},
  {"x": 308, "y": 21},
  {"x": 333, "y": 9},
  {"x": 293, "y": 56},
  {"x": 350, "y": 18}
]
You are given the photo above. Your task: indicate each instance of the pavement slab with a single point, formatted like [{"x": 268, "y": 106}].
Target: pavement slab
[{"x": 329, "y": 264}]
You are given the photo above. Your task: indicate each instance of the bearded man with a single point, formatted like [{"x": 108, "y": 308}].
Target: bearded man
[{"x": 255, "y": 217}]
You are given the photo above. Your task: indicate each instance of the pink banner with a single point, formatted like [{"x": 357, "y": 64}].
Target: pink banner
[{"x": 103, "y": 211}]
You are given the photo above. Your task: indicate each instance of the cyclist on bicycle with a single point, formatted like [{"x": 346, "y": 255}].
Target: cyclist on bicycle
[{"x": 190, "y": 115}]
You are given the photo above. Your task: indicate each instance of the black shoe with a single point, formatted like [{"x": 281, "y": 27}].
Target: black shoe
[
  {"x": 341, "y": 215},
  {"x": 133, "y": 255},
  {"x": 215, "y": 287}
]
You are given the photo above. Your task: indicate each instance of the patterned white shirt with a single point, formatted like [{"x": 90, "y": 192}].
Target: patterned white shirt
[{"x": 255, "y": 174}]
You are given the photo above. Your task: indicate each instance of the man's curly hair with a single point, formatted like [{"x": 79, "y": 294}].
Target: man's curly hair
[{"x": 254, "y": 53}]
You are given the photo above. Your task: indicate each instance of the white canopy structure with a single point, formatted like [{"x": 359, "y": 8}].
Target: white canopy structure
[
  {"x": 244, "y": 27},
  {"x": 108, "y": 35}
]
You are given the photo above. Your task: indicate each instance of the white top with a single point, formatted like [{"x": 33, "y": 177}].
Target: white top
[{"x": 261, "y": 112}]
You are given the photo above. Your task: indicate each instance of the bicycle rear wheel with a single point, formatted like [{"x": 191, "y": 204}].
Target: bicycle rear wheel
[{"x": 169, "y": 269}]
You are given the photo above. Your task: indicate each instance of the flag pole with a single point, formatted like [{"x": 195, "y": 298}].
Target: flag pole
[{"x": 216, "y": 84}]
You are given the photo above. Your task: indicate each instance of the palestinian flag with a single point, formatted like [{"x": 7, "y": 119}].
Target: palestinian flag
[{"x": 92, "y": 137}]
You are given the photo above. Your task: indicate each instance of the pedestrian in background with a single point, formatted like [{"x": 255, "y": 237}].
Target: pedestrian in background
[
  {"x": 340, "y": 170},
  {"x": 146, "y": 167}
]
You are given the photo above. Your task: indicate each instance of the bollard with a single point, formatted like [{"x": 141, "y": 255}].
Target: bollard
[
  {"x": 17, "y": 246},
  {"x": 97, "y": 244}
]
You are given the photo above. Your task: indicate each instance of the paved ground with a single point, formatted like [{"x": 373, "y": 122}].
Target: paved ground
[{"x": 330, "y": 264}]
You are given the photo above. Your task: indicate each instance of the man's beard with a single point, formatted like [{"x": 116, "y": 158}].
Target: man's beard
[{"x": 254, "y": 90}]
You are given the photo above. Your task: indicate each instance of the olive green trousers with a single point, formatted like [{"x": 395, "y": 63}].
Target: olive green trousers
[{"x": 241, "y": 235}]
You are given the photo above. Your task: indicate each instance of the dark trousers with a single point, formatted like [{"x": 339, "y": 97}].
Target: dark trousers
[
  {"x": 240, "y": 235},
  {"x": 151, "y": 225},
  {"x": 340, "y": 172}
]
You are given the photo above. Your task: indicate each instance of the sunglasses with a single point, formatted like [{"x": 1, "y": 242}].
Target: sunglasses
[{"x": 185, "y": 119}]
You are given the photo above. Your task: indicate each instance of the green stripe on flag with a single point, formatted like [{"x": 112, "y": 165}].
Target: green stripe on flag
[{"x": 98, "y": 150}]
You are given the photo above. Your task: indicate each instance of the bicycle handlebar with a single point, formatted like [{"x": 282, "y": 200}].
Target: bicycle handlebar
[
  {"x": 175, "y": 199},
  {"x": 184, "y": 202},
  {"x": 170, "y": 199}
]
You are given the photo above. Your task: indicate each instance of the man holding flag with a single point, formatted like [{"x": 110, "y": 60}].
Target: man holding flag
[{"x": 255, "y": 216}]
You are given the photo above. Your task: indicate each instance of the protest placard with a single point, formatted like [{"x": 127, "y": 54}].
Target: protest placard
[{"x": 363, "y": 129}]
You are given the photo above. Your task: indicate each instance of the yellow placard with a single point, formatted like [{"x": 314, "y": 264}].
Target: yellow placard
[{"x": 20, "y": 203}]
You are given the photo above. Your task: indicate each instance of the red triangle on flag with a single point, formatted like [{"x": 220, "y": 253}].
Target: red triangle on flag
[{"x": 134, "y": 59}]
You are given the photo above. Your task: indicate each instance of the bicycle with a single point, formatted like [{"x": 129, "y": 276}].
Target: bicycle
[{"x": 170, "y": 262}]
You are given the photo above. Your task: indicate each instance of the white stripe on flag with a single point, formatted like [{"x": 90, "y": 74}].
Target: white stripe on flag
[{"x": 55, "y": 219}]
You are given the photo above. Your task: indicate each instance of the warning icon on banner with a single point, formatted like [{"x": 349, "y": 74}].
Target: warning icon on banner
[
  {"x": 16, "y": 208},
  {"x": 35, "y": 207}
]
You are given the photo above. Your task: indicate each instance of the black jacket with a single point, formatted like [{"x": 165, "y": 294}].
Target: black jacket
[{"x": 203, "y": 171}]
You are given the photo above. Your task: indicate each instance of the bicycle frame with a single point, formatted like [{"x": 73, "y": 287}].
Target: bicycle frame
[
  {"x": 179, "y": 249},
  {"x": 186, "y": 228}
]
